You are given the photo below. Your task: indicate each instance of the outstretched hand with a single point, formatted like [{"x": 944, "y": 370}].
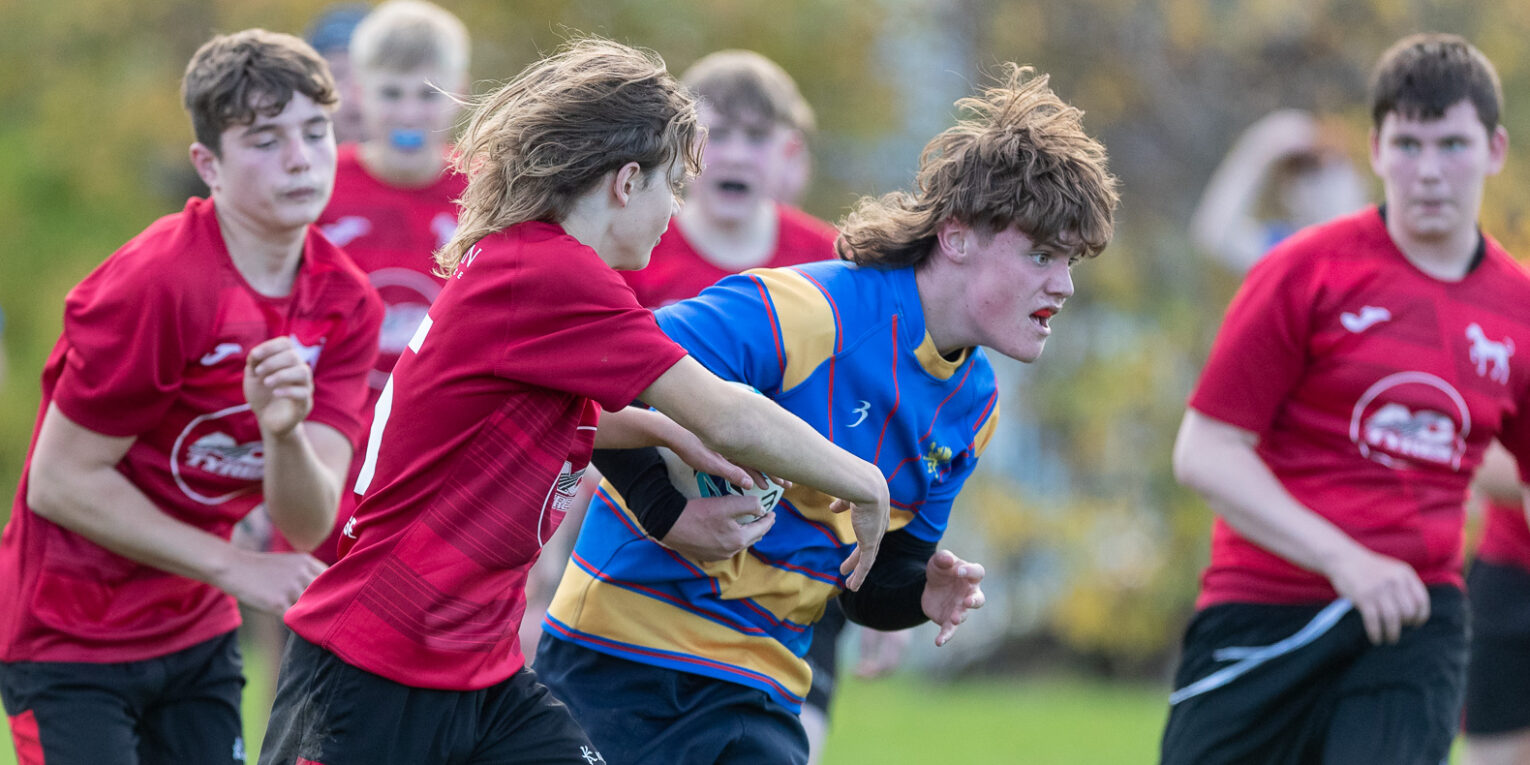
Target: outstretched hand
[
  {"x": 951, "y": 589},
  {"x": 870, "y": 523}
]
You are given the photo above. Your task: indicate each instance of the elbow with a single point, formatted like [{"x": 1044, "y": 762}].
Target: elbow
[
  {"x": 47, "y": 493},
  {"x": 1189, "y": 465}
]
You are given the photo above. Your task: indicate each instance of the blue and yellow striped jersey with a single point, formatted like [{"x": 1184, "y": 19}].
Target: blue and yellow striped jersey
[{"x": 845, "y": 349}]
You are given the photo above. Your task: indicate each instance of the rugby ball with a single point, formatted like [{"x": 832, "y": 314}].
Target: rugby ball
[{"x": 693, "y": 484}]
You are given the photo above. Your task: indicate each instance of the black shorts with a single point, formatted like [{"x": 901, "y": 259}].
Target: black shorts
[
  {"x": 1302, "y": 684},
  {"x": 641, "y": 714},
  {"x": 181, "y": 707},
  {"x": 1498, "y": 678},
  {"x": 823, "y": 657},
  {"x": 328, "y": 712}
]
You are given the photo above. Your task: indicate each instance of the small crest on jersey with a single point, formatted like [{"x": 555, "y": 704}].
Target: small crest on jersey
[
  {"x": 937, "y": 460},
  {"x": 1491, "y": 357}
]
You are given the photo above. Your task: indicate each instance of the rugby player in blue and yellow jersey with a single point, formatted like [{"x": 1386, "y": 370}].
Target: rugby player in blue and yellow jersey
[{"x": 677, "y": 633}]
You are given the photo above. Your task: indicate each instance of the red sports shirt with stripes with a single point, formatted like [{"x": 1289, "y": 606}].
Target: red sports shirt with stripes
[
  {"x": 153, "y": 347},
  {"x": 477, "y": 447},
  {"x": 1374, "y": 389}
]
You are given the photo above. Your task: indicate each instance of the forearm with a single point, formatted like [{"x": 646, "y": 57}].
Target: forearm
[
  {"x": 302, "y": 494},
  {"x": 640, "y": 477},
  {"x": 1228, "y": 472},
  {"x": 633, "y": 428},
  {"x": 778, "y": 443},
  {"x": 891, "y": 598},
  {"x": 105, "y": 507}
]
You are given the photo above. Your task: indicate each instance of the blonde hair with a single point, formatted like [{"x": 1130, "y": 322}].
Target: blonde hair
[
  {"x": 1020, "y": 158},
  {"x": 535, "y": 145},
  {"x": 736, "y": 81},
  {"x": 405, "y": 35}
]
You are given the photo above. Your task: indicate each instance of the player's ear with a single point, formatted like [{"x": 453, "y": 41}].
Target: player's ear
[
  {"x": 952, "y": 238},
  {"x": 625, "y": 181},
  {"x": 206, "y": 164}
]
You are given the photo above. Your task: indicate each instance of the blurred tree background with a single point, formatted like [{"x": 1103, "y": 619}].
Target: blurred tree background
[{"x": 1092, "y": 548}]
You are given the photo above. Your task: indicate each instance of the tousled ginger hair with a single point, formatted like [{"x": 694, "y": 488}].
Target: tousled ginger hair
[{"x": 1018, "y": 157}]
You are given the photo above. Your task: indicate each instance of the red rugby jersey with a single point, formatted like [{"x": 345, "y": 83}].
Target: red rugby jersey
[
  {"x": 1374, "y": 389},
  {"x": 154, "y": 346},
  {"x": 677, "y": 271},
  {"x": 392, "y": 233},
  {"x": 480, "y": 440}
]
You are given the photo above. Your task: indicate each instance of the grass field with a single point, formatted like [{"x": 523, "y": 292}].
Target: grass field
[{"x": 906, "y": 719}]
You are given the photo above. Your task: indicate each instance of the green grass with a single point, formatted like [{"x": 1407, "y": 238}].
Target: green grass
[
  {"x": 910, "y": 719},
  {"x": 907, "y": 719}
]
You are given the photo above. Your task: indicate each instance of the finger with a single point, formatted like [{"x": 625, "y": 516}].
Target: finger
[
  {"x": 862, "y": 567},
  {"x": 734, "y": 474},
  {"x": 974, "y": 572},
  {"x": 946, "y": 631},
  {"x": 287, "y": 376},
  {"x": 851, "y": 562},
  {"x": 976, "y": 599},
  {"x": 268, "y": 349},
  {"x": 754, "y": 532},
  {"x": 1372, "y": 625},
  {"x": 840, "y": 506},
  {"x": 785, "y": 484},
  {"x": 1390, "y": 617},
  {"x": 944, "y": 560},
  {"x": 1420, "y": 594}
]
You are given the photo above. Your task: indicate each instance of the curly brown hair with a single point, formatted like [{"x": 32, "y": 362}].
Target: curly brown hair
[
  {"x": 233, "y": 78},
  {"x": 535, "y": 145},
  {"x": 1019, "y": 158}
]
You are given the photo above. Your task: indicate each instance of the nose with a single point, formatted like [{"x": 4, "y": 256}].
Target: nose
[
  {"x": 1060, "y": 282},
  {"x": 299, "y": 155},
  {"x": 1429, "y": 164}
]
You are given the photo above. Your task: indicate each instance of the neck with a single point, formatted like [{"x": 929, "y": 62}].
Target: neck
[
  {"x": 733, "y": 245},
  {"x": 590, "y": 224},
  {"x": 1447, "y": 258},
  {"x": 268, "y": 261},
  {"x": 405, "y": 171},
  {"x": 936, "y": 291}
]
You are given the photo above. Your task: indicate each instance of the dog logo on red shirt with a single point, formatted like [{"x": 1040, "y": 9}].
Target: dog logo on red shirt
[{"x": 1491, "y": 358}]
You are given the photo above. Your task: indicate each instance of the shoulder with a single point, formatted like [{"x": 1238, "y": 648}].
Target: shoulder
[{"x": 167, "y": 258}]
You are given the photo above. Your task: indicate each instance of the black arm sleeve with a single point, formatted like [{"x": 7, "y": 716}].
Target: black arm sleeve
[
  {"x": 640, "y": 477},
  {"x": 889, "y": 598}
]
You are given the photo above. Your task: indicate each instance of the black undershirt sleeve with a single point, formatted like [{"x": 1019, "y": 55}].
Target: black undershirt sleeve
[
  {"x": 639, "y": 475},
  {"x": 889, "y": 598}
]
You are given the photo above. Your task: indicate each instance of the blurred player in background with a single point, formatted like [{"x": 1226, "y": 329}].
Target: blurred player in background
[
  {"x": 483, "y": 431},
  {"x": 679, "y": 630},
  {"x": 216, "y": 361},
  {"x": 1285, "y": 172},
  {"x": 330, "y": 35},
  {"x": 1359, "y": 375},
  {"x": 1497, "y": 719}
]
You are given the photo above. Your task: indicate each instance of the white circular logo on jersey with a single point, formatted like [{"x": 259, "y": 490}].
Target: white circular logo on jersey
[
  {"x": 210, "y": 454},
  {"x": 1411, "y": 417}
]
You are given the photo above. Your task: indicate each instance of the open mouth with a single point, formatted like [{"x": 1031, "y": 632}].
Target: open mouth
[
  {"x": 1043, "y": 317},
  {"x": 733, "y": 187}
]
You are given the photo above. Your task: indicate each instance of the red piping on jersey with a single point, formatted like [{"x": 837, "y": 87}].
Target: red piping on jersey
[
  {"x": 897, "y": 393},
  {"x": 589, "y": 568},
  {"x": 839, "y": 346},
  {"x": 640, "y": 534},
  {"x": 577, "y": 636},
  {"x": 775, "y": 326}
]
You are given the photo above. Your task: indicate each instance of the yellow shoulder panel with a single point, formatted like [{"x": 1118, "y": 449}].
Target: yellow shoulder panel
[{"x": 807, "y": 322}]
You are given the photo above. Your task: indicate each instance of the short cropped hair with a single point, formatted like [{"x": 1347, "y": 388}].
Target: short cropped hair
[
  {"x": 735, "y": 82},
  {"x": 1019, "y": 158},
  {"x": 1422, "y": 75},
  {"x": 234, "y": 78},
  {"x": 535, "y": 145},
  {"x": 405, "y": 35}
]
